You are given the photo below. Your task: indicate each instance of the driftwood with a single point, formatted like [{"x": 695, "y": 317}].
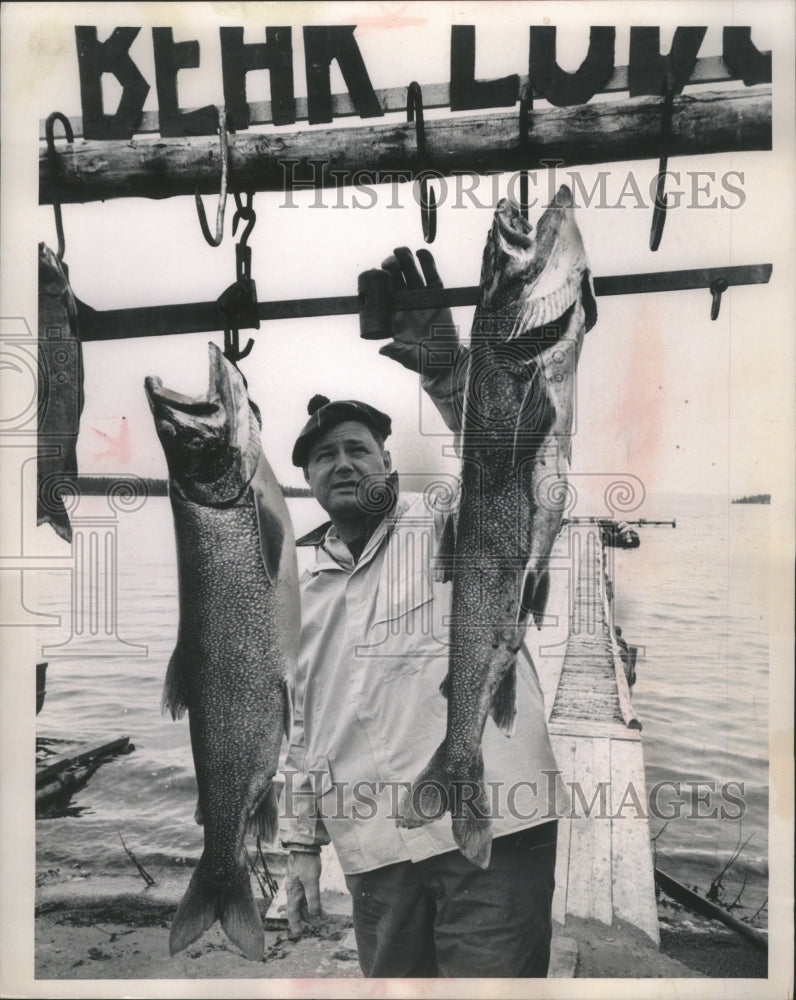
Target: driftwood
[
  {"x": 68, "y": 773},
  {"x": 701, "y": 905},
  {"x": 601, "y": 132}
]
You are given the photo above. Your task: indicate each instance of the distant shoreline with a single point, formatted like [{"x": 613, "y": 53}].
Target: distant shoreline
[
  {"x": 98, "y": 486},
  {"x": 756, "y": 498}
]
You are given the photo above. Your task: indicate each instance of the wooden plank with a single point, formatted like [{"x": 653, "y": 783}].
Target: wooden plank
[
  {"x": 599, "y": 829},
  {"x": 702, "y": 122},
  {"x": 204, "y": 317},
  {"x": 633, "y": 888},
  {"x": 596, "y": 728},
  {"x": 710, "y": 69},
  {"x": 589, "y": 889},
  {"x": 564, "y": 750}
]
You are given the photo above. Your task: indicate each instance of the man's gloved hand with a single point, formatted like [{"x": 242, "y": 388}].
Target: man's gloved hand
[
  {"x": 426, "y": 340},
  {"x": 414, "y": 326},
  {"x": 302, "y": 886}
]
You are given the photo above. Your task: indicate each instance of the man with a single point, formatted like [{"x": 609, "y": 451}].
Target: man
[{"x": 369, "y": 710}]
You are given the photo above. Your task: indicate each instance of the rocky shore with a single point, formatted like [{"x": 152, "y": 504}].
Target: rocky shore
[{"x": 112, "y": 928}]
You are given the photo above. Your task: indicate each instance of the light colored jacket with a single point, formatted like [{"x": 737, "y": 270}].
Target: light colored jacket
[{"x": 368, "y": 708}]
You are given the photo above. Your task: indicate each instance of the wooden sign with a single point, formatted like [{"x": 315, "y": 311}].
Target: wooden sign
[{"x": 323, "y": 45}]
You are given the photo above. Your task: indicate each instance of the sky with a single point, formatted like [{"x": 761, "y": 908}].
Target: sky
[{"x": 664, "y": 394}]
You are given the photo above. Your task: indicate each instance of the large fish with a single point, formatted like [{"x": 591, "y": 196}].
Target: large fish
[
  {"x": 60, "y": 392},
  {"x": 237, "y": 639},
  {"x": 536, "y": 302}
]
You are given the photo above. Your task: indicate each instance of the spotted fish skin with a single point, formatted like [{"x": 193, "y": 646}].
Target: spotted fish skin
[
  {"x": 60, "y": 392},
  {"x": 237, "y": 638},
  {"x": 536, "y": 302}
]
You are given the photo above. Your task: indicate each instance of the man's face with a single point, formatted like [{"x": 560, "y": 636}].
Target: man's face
[{"x": 339, "y": 461}]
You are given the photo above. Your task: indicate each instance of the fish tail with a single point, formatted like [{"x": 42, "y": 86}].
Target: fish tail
[
  {"x": 203, "y": 904},
  {"x": 472, "y": 829},
  {"x": 442, "y": 787},
  {"x": 241, "y": 921}
]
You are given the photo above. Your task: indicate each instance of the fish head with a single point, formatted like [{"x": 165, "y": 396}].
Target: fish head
[
  {"x": 528, "y": 279},
  {"x": 508, "y": 250},
  {"x": 211, "y": 442}
]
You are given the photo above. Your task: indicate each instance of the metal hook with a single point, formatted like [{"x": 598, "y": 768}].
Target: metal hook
[
  {"x": 244, "y": 212},
  {"x": 661, "y": 200},
  {"x": 56, "y": 116},
  {"x": 215, "y": 241},
  {"x": 428, "y": 200},
  {"x": 526, "y": 105},
  {"x": 719, "y": 286},
  {"x": 232, "y": 351}
]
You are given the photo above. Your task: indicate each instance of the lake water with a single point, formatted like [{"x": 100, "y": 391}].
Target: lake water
[{"x": 694, "y": 598}]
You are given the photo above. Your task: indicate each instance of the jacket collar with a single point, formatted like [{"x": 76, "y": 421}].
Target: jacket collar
[{"x": 316, "y": 536}]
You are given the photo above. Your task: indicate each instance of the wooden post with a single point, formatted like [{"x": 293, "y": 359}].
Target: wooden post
[{"x": 706, "y": 122}]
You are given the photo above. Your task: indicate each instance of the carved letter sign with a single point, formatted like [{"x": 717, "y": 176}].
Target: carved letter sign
[{"x": 648, "y": 69}]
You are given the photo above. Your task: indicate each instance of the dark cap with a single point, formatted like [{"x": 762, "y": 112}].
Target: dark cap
[{"x": 324, "y": 415}]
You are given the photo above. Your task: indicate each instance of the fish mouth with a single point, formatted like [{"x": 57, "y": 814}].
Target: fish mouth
[
  {"x": 510, "y": 227},
  {"x": 515, "y": 231},
  {"x": 164, "y": 401}
]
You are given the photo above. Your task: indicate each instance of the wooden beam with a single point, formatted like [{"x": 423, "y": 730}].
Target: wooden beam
[
  {"x": 204, "y": 317},
  {"x": 710, "y": 69},
  {"x": 706, "y": 122}
]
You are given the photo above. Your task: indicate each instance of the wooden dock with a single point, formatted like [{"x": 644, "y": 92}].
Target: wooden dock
[{"x": 604, "y": 866}]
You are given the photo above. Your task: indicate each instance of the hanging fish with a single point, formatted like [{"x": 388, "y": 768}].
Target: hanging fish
[
  {"x": 237, "y": 641},
  {"x": 536, "y": 303},
  {"x": 60, "y": 393}
]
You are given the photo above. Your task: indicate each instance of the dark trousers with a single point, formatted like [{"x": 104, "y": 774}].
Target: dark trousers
[{"x": 445, "y": 917}]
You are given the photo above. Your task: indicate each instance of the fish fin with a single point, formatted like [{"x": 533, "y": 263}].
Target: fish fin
[
  {"x": 271, "y": 534},
  {"x": 241, "y": 921},
  {"x": 445, "y": 686},
  {"x": 445, "y": 551},
  {"x": 58, "y": 518},
  {"x": 264, "y": 821},
  {"x": 535, "y": 592},
  {"x": 504, "y": 701},
  {"x": 197, "y": 911},
  {"x": 287, "y": 709},
  {"x": 174, "y": 700},
  {"x": 441, "y": 787},
  {"x": 535, "y": 418}
]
